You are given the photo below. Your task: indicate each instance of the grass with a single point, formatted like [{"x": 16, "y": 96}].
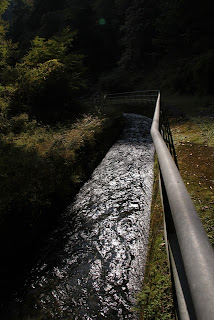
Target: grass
[
  {"x": 42, "y": 167},
  {"x": 155, "y": 302},
  {"x": 193, "y": 136},
  {"x": 37, "y": 160},
  {"x": 195, "y": 152},
  {"x": 192, "y": 128}
]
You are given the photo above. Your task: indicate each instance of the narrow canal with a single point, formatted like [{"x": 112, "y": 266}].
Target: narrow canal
[{"x": 93, "y": 264}]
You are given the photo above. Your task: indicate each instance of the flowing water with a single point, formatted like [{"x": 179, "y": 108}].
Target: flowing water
[{"x": 93, "y": 265}]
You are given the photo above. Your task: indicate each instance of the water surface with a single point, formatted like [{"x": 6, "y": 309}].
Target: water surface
[{"x": 93, "y": 265}]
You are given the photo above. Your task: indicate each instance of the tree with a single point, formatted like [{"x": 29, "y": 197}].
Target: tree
[
  {"x": 8, "y": 50},
  {"x": 50, "y": 76},
  {"x": 184, "y": 35},
  {"x": 3, "y": 42},
  {"x": 122, "y": 6},
  {"x": 133, "y": 36},
  {"x": 19, "y": 29},
  {"x": 3, "y": 6}
]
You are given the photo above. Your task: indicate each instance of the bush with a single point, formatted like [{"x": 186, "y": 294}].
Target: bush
[
  {"x": 50, "y": 77},
  {"x": 41, "y": 88},
  {"x": 21, "y": 123}
]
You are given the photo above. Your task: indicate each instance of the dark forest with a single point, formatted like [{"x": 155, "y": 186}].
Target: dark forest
[
  {"x": 58, "y": 55},
  {"x": 87, "y": 46}
]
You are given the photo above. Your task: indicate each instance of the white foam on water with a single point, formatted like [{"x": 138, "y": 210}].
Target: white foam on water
[{"x": 98, "y": 268}]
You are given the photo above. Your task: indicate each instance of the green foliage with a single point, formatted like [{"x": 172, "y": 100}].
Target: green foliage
[
  {"x": 5, "y": 126},
  {"x": 50, "y": 76},
  {"x": 21, "y": 124},
  {"x": 138, "y": 35},
  {"x": 3, "y": 42},
  {"x": 42, "y": 167},
  {"x": 42, "y": 164},
  {"x": 3, "y": 6},
  {"x": 43, "y": 50},
  {"x": 34, "y": 84},
  {"x": 7, "y": 49}
]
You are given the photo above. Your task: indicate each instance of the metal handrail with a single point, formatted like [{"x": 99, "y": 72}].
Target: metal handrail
[
  {"x": 190, "y": 252},
  {"x": 131, "y": 97},
  {"x": 131, "y": 93}
]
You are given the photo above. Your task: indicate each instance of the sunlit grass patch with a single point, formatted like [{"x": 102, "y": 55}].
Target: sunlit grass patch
[
  {"x": 196, "y": 130},
  {"x": 206, "y": 126},
  {"x": 196, "y": 164},
  {"x": 192, "y": 117},
  {"x": 44, "y": 137},
  {"x": 194, "y": 142}
]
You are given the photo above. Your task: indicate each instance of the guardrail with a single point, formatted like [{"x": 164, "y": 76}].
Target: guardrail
[
  {"x": 190, "y": 253},
  {"x": 131, "y": 97}
]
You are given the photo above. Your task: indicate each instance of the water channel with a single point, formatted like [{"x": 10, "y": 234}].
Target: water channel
[{"x": 93, "y": 264}]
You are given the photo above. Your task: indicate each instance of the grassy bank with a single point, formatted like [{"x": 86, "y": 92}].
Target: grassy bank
[
  {"x": 42, "y": 162},
  {"x": 42, "y": 167},
  {"x": 193, "y": 135},
  {"x": 156, "y": 300},
  {"x": 192, "y": 128}
]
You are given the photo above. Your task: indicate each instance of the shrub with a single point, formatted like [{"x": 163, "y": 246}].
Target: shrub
[
  {"x": 50, "y": 77},
  {"x": 21, "y": 123}
]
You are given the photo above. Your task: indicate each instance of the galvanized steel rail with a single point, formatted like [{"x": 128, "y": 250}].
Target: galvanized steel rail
[
  {"x": 131, "y": 97},
  {"x": 190, "y": 253}
]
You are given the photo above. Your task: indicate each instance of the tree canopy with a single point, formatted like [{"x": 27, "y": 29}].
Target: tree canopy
[{"x": 107, "y": 37}]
